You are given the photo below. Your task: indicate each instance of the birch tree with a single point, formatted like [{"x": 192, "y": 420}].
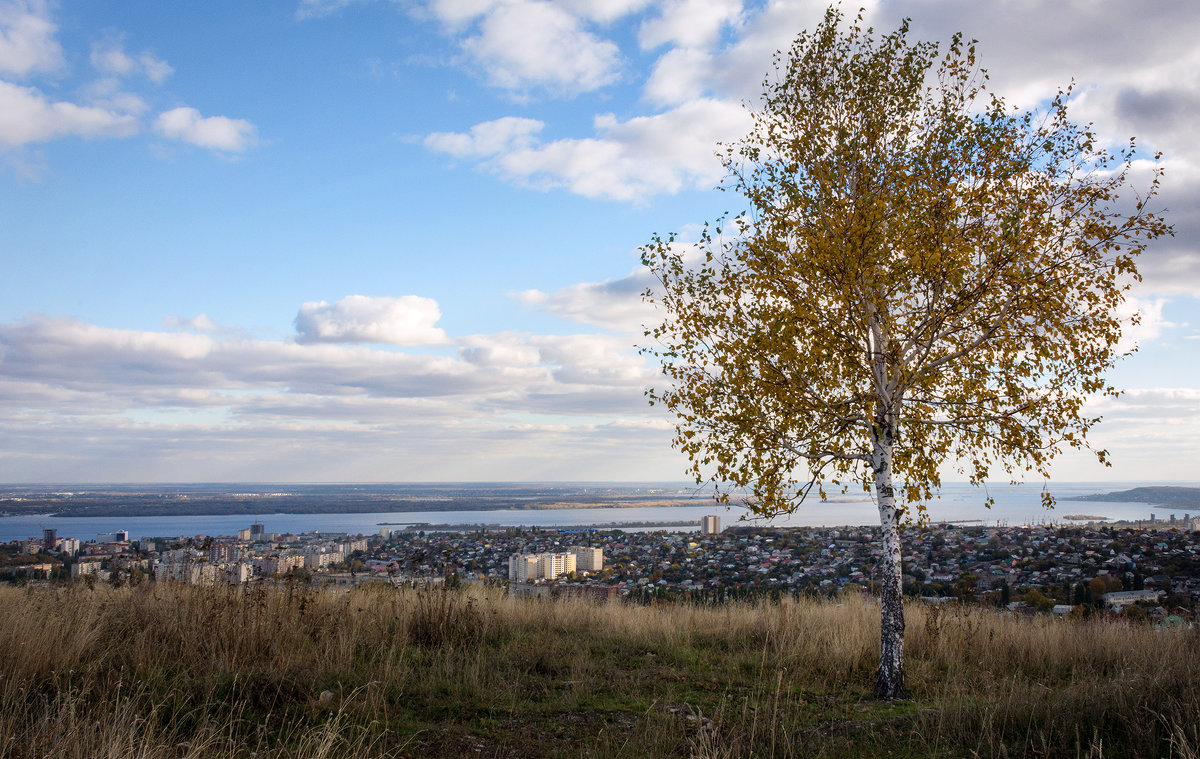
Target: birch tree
[{"x": 926, "y": 279}]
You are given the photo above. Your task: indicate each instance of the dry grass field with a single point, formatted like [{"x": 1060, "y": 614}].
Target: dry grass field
[{"x": 163, "y": 670}]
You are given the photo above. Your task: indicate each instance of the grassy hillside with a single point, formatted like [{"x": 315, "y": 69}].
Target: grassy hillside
[{"x": 173, "y": 671}]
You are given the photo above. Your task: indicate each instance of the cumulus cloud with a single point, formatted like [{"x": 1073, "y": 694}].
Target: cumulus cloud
[
  {"x": 614, "y": 304},
  {"x": 107, "y": 94},
  {"x": 593, "y": 360},
  {"x": 62, "y": 354},
  {"x": 626, "y": 160},
  {"x": 212, "y": 132},
  {"x": 82, "y": 397},
  {"x": 104, "y": 108},
  {"x": 584, "y": 360},
  {"x": 407, "y": 320},
  {"x": 534, "y": 45},
  {"x": 203, "y": 324},
  {"x": 689, "y": 23},
  {"x": 109, "y": 57},
  {"x": 27, "y": 41},
  {"x": 1150, "y": 322},
  {"x": 278, "y": 450},
  {"x": 308, "y": 9},
  {"x": 500, "y": 351},
  {"x": 1146, "y": 423},
  {"x": 589, "y": 375},
  {"x": 456, "y": 14},
  {"x": 605, "y": 11},
  {"x": 528, "y": 44},
  {"x": 679, "y": 75},
  {"x": 488, "y": 138},
  {"x": 73, "y": 354},
  {"x": 28, "y": 116}
]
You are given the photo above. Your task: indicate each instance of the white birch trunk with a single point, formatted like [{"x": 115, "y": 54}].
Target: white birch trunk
[{"x": 889, "y": 683}]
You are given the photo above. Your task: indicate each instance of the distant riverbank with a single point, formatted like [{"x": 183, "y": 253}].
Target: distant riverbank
[
  {"x": 260, "y": 500},
  {"x": 496, "y": 527}
]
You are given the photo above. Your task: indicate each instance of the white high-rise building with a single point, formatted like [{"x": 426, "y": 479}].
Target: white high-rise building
[
  {"x": 588, "y": 559},
  {"x": 710, "y": 525},
  {"x": 522, "y": 568},
  {"x": 551, "y": 565},
  {"x": 540, "y": 566}
]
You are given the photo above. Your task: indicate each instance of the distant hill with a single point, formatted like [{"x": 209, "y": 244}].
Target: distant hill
[{"x": 1172, "y": 497}]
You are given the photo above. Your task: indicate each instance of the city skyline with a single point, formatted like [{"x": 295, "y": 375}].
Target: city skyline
[{"x": 340, "y": 240}]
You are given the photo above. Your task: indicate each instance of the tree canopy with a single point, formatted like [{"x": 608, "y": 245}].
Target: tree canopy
[{"x": 913, "y": 246}]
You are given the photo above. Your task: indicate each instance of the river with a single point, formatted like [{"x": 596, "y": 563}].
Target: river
[{"x": 1015, "y": 505}]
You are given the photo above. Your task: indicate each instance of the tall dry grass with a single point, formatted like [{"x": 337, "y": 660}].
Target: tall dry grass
[{"x": 179, "y": 671}]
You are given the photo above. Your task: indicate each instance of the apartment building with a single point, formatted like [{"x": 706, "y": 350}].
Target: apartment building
[
  {"x": 317, "y": 560},
  {"x": 588, "y": 559},
  {"x": 551, "y": 565},
  {"x": 541, "y": 566},
  {"x": 279, "y": 564},
  {"x": 86, "y": 567},
  {"x": 522, "y": 568}
]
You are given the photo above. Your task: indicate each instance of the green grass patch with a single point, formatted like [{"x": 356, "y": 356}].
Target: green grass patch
[{"x": 163, "y": 670}]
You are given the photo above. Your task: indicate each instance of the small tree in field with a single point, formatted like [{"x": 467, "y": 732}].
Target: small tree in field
[{"x": 925, "y": 276}]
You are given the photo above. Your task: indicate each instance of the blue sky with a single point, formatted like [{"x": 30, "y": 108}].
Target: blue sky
[{"x": 331, "y": 240}]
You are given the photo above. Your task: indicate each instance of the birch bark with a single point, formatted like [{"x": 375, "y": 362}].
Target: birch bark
[{"x": 889, "y": 682}]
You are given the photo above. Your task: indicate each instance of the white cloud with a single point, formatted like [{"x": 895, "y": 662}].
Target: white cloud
[
  {"x": 615, "y": 304},
  {"x": 524, "y": 44},
  {"x": 27, "y": 41},
  {"x": 570, "y": 360},
  {"x": 487, "y": 138},
  {"x": 1150, "y": 324},
  {"x": 733, "y": 71},
  {"x": 457, "y": 13},
  {"x": 27, "y": 116},
  {"x": 535, "y": 45},
  {"x": 109, "y": 57},
  {"x": 213, "y": 132},
  {"x": 499, "y": 351},
  {"x": 320, "y": 8},
  {"x": 203, "y": 324},
  {"x": 689, "y": 23},
  {"x": 118, "y": 363},
  {"x": 407, "y": 320},
  {"x": 404, "y": 445},
  {"x": 105, "y": 94},
  {"x": 679, "y": 75},
  {"x": 1161, "y": 401},
  {"x": 627, "y": 160},
  {"x": 66, "y": 366},
  {"x": 605, "y": 11},
  {"x": 594, "y": 360}
]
